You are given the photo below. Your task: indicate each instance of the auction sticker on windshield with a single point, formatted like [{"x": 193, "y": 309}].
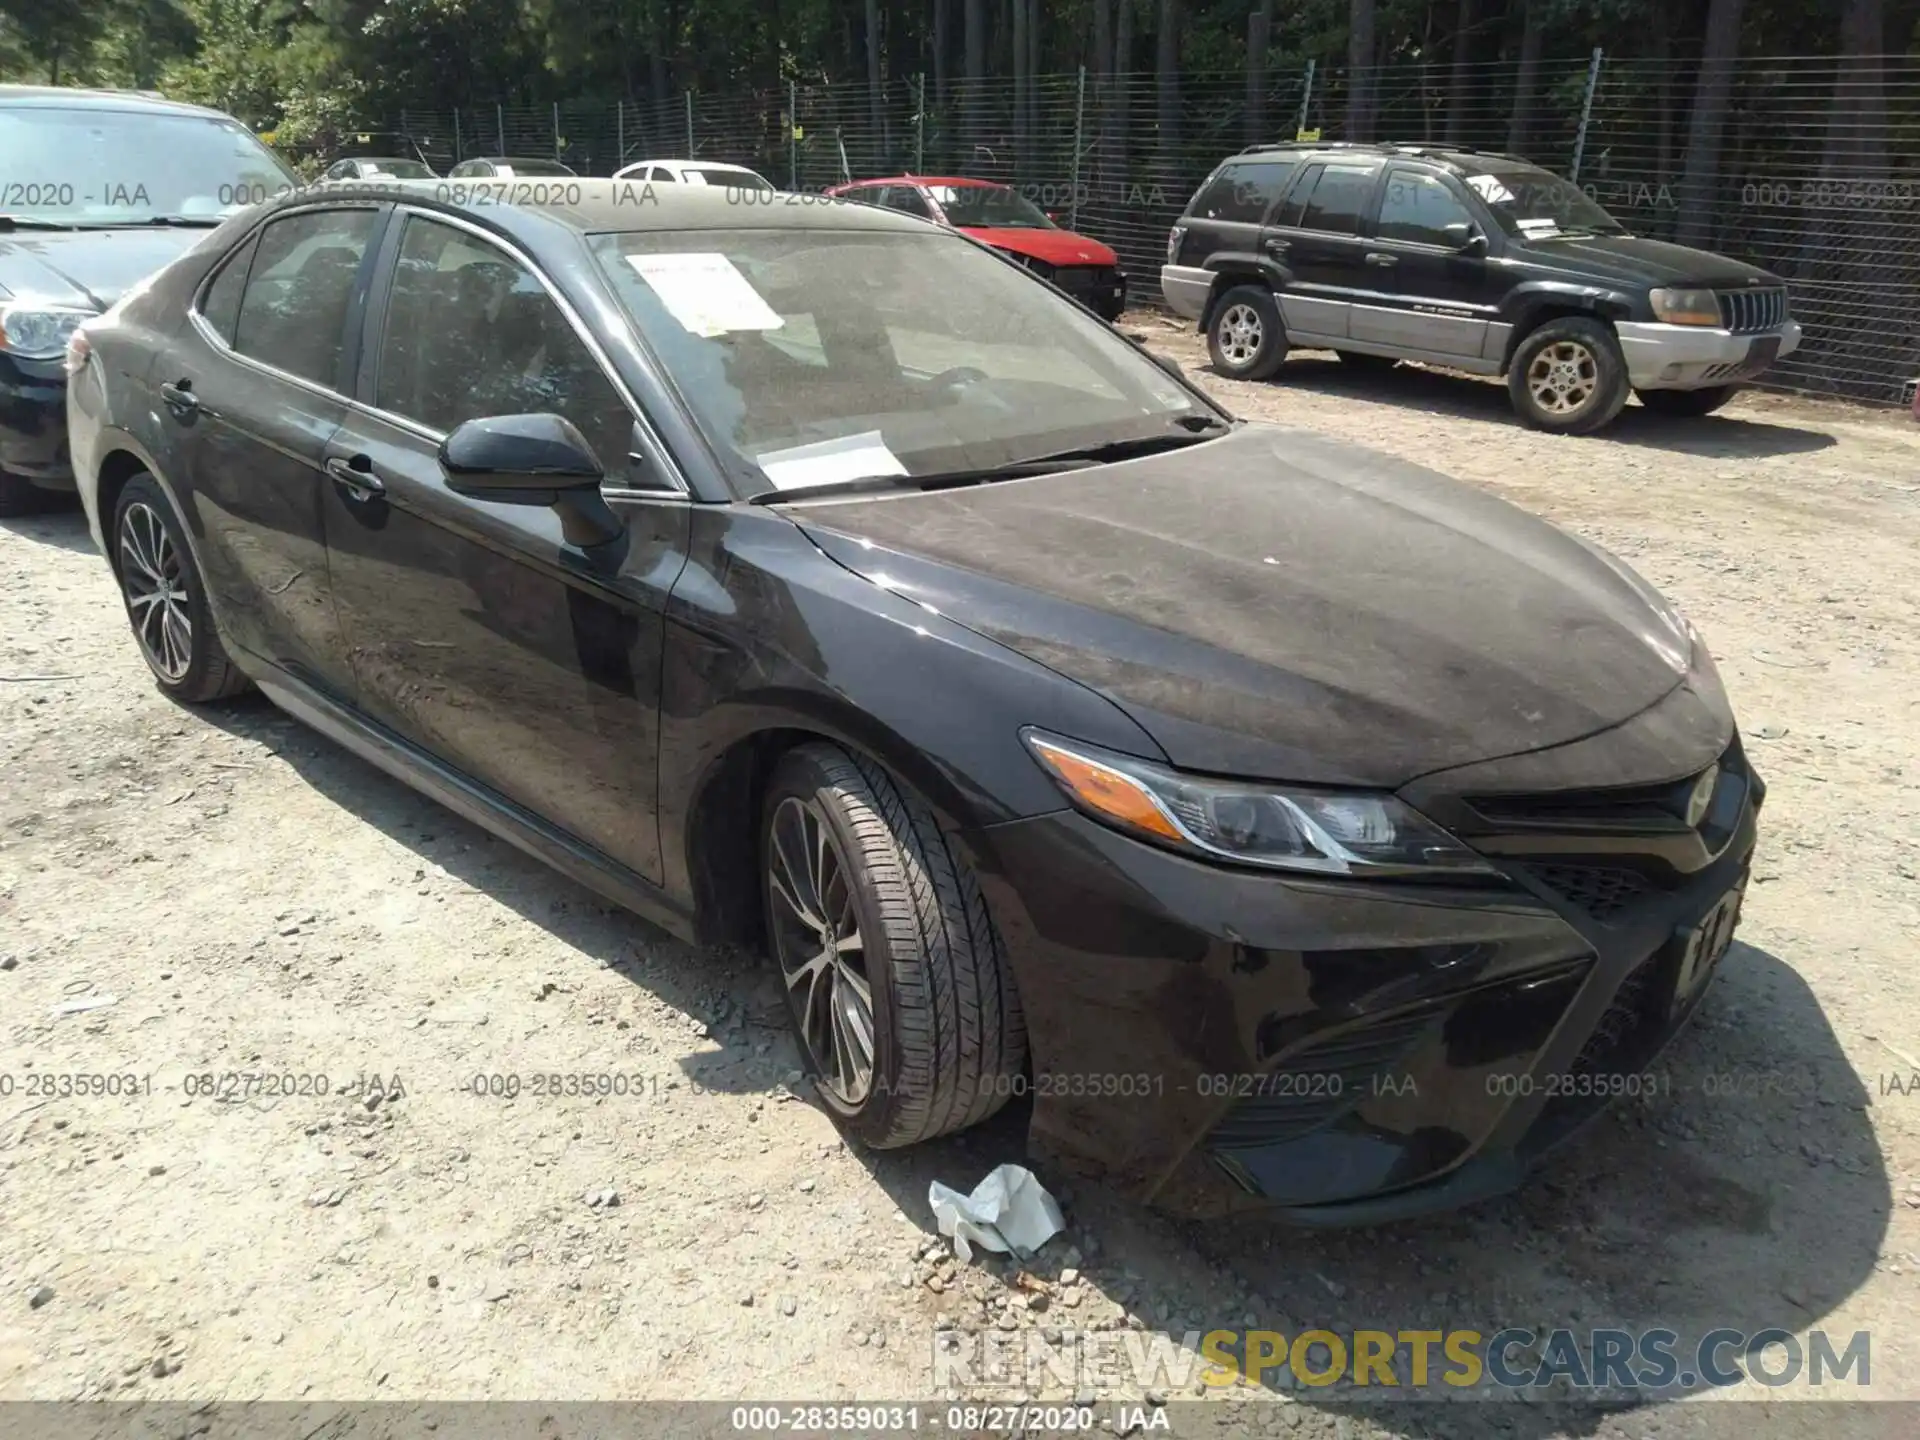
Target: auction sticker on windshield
[
  {"x": 706, "y": 293},
  {"x": 828, "y": 462}
]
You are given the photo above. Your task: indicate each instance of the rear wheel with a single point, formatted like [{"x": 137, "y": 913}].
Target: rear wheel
[
  {"x": 1703, "y": 401},
  {"x": 1359, "y": 360},
  {"x": 896, "y": 980},
  {"x": 1568, "y": 376},
  {"x": 166, "y": 598},
  {"x": 1245, "y": 338}
]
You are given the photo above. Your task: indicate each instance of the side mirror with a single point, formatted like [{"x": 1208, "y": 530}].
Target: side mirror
[
  {"x": 531, "y": 460},
  {"x": 1465, "y": 237}
]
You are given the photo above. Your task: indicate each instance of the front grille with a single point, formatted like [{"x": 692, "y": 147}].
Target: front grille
[
  {"x": 1322, "y": 1080},
  {"x": 1622, "y": 1020},
  {"x": 1078, "y": 279},
  {"x": 1603, "y": 891},
  {"x": 1746, "y": 312}
]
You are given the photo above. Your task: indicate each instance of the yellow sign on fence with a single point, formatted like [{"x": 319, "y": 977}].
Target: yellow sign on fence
[{"x": 1307, "y": 135}]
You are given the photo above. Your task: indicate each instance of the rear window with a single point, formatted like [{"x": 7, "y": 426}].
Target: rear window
[
  {"x": 1242, "y": 190},
  {"x": 1339, "y": 199}
]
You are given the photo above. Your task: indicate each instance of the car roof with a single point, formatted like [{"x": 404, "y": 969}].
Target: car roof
[
  {"x": 379, "y": 160},
  {"x": 955, "y": 181},
  {"x": 66, "y": 97},
  {"x": 703, "y": 164},
  {"x": 598, "y": 205},
  {"x": 1461, "y": 157}
]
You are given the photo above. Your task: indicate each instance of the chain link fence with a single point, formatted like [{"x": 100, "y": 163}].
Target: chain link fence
[{"x": 1814, "y": 173}]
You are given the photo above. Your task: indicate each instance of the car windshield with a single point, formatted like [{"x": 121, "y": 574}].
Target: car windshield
[
  {"x": 724, "y": 175},
  {"x": 989, "y": 206},
  {"x": 90, "y": 167},
  {"x": 822, "y": 356},
  {"x": 398, "y": 169},
  {"x": 1536, "y": 204}
]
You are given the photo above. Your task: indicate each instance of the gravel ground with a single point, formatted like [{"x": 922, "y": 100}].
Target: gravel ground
[{"x": 240, "y": 897}]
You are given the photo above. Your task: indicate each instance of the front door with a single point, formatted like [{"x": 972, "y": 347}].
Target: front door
[
  {"x": 477, "y": 631},
  {"x": 254, "y": 389},
  {"x": 1438, "y": 303}
]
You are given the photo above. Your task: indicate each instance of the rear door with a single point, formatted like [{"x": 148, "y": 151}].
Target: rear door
[
  {"x": 1224, "y": 220},
  {"x": 1432, "y": 299},
  {"x": 252, "y": 391},
  {"x": 477, "y": 631},
  {"x": 1318, "y": 232}
]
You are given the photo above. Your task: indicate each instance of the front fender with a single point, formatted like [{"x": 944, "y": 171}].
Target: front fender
[{"x": 1237, "y": 267}]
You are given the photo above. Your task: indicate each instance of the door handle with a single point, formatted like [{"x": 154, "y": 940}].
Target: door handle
[
  {"x": 1274, "y": 247},
  {"x": 179, "y": 398},
  {"x": 1380, "y": 257},
  {"x": 354, "y": 475}
]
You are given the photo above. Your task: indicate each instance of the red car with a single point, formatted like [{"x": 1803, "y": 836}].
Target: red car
[{"x": 1008, "y": 221}]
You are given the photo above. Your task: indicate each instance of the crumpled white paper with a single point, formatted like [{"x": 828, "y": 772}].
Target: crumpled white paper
[{"x": 1010, "y": 1210}]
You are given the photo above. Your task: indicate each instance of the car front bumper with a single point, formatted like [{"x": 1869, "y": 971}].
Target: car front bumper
[
  {"x": 1213, "y": 1040},
  {"x": 33, "y": 422},
  {"x": 1186, "y": 288},
  {"x": 1687, "y": 357}
]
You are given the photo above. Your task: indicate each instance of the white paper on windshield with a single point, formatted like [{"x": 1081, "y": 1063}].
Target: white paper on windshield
[
  {"x": 1539, "y": 229},
  {"x": 1489, "y": 189},
  {"x": 825, "y": 462},
  {"x": 706, "y": 293}
]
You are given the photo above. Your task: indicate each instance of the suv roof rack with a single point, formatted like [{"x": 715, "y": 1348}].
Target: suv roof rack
[{"x": 1383, "y": 147}]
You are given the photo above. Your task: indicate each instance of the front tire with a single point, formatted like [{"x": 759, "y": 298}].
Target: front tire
[
  {"x": 1568, "y": 376},
  {"x": 1688, "y": 403},
  {"x": 1246, "y": 339},
  {"x": 166, "y": 598},
  {"x": 896, "y": 979}
]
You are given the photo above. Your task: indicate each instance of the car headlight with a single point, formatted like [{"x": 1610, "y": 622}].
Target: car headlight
[
  {"x": 39, "y": 332},
  {"x": 1686, "y": 307},
  {"x": 1323, "y": 832}
]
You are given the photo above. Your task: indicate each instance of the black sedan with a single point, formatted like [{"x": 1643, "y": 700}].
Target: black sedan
[
  {"x": 98, "y": 189},
  {"x": 1295, "y": 827}
]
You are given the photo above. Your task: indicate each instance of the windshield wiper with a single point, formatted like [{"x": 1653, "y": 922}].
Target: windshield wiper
[
  {"x": 34, "y": 222},
  {"x": 1192, "y": 429},
  {"x": 184, "y": 222}
]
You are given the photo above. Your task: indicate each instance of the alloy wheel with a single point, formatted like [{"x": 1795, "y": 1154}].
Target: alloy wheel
[
  {"x": 1563, "y": 377},
  {"x": 153, "y": 578},
  {"x": 1240, "y": 334},
  {"x": 822, "y": 953}
]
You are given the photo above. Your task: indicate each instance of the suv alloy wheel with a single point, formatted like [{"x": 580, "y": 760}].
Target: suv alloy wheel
[{"x": 1568, "y": 376}]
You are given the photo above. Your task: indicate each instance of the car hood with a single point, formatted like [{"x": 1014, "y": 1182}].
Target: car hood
[
  {"x": 1279, "y": 605},
  {"x": 1056, "y": 247},
  {"x": 1636, "y": 260},
  {"x": 86, "y": 267}
]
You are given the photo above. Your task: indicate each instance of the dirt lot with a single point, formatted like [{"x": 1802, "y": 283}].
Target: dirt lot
[{"x": 252, "y": 900}]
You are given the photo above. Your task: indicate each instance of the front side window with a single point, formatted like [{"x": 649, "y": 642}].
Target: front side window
[
  {"x": 726, "y": 177},
  {"x": 1242, "y": 191},
  {"x": 990, "y": 207},
  {"x": 1536, "y": 204},
  {"x": 1418, "y": 208},
  {"x": 1339, "y": 199},
  {"x": 293, "y": 314},
  {"x": 471, "y": 332},
  {"x": 844, "y": 351},
  {"x": 92, "y": 168}
]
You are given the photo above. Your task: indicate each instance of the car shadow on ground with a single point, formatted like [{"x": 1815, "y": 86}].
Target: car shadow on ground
[
  {"x": 61, "y": 526},
  {"x": 1472, "y": 397},
  {"x": 1747, "y": 1193},
  {"x": 733, "y": 995}
]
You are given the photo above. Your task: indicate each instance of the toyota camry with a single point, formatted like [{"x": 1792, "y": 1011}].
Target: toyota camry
[{"x": 1287, "y": 826}]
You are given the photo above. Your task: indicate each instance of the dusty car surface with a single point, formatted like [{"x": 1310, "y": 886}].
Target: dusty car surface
[{"x": 1296, "y": 827}]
